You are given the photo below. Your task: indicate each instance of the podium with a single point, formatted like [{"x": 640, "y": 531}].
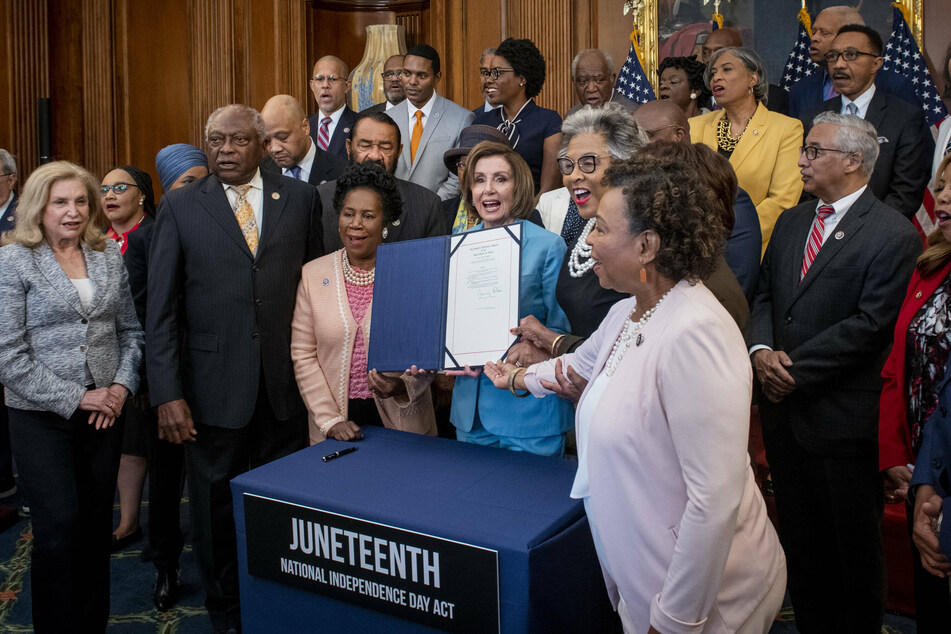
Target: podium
[{"x": 416, "y": 534}]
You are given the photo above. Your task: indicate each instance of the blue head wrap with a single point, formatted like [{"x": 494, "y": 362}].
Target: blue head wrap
[{"x": 174, "y": 160}]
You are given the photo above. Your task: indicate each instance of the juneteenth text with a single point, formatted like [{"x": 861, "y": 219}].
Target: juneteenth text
[{"x": 366, "y": 551}]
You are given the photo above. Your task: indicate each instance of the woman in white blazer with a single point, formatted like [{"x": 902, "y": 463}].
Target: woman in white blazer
[
  {"x": 70, "y": 348},
  {"x": 662, "y": 425}
]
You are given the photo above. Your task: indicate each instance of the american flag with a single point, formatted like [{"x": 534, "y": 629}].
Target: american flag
[
  {"x": 903, "y": 56},
  {"x": 799, "y": 64},
  {"x": 632, "y": 86}
]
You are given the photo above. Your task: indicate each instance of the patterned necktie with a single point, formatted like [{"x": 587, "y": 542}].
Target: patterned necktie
[
  {"x": 815, "y": 238},
  {"x": 573, "y": 224},
  {"x": 323, "y": 135},
  {"x": 245, "y": 217},
  {"x": 417, "y": 135},
  {"x": 294, "y": 172}
]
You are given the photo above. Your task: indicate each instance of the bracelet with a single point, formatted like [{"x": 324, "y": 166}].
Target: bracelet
[
  {"x": 554, "y": 344},
  {"x": 512, "y": 377}
]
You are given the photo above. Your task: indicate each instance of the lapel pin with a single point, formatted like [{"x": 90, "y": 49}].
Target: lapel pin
[
  {"x": 918, "y": 295},
  {"x": 326, "y": 282},
  {"x": 839, "y": 235},
  {"x": 346, "y": 130},
  {"x": 755, "y": 131},
  {"x": 275, "y": 195}
]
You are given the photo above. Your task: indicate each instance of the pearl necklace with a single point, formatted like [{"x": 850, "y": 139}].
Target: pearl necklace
[
  {"x": 580, "y": 262},
  {"x": 356, "y": 276},
  {"x": 631, "y": 331}
]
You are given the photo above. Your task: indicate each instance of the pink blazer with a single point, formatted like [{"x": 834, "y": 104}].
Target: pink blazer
[
  {"x": 673, "y": 504},
  {"x": 322, "y": 336}
]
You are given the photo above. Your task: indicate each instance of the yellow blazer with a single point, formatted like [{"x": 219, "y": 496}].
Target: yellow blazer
[
  {"x": 322, "y": 335},
  {"x": 765, "y": 161}
]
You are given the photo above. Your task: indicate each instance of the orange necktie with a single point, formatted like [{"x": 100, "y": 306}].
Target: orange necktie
[{"x": 417, "y": 135}]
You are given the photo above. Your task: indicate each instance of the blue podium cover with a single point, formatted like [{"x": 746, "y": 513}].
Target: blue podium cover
[{"x": 510, "y": 503}]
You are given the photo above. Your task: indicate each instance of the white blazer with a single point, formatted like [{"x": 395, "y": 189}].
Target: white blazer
[
  {"x": 681, "y": 527},
  {"x": 553, "y": 207}
]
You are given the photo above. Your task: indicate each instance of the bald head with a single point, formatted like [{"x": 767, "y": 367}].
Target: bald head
[
  {"x": 286, "y": 130},
  {"x": 826, "y": 26},
  {"x": 330, "y": 84},
  {"x": 663, "y": 120},
  {"x": 721, "y": 38}
]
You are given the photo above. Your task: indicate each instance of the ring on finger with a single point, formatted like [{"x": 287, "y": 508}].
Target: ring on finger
[{"x": 518, "y": 364}]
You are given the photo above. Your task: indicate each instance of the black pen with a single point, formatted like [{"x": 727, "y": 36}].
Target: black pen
[{"x": 337, "y": 454}]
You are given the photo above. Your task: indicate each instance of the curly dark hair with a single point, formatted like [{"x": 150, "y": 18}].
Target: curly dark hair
[
  {"x": 527, "y": 61},
  {"x": 694, "y": 70},
  {"x": 664, "y": 196},
  {"x": 373, "y": 177}
]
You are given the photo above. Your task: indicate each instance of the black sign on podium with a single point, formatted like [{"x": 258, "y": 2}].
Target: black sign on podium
[{"x": 433, "y": 581}]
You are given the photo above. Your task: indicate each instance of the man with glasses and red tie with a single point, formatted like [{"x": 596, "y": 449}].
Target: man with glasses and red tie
[
  {"x": 831, "y": 284},
  {"x": 330, "y": 126},
  {"x": 906, "y": 146}
]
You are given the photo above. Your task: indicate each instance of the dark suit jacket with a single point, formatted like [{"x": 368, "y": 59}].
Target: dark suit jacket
[
  {"x": 380, "y": 107},
  {"x": 422, "y": 215},
  {"x": 341, "y": 133},
  {"x": 136, "y": 258},
  {"x": 777, "y": 99},
  {"x": 806, "y": 94},
  {"x": 233, "y": 309},
  {"x": 903, "y": 168},
  {"x": 836, "y": 324},
  {"x": 934, "y": 458},
  {"x": 9, "y": 220},
  {"x": 326, "y": 167}
]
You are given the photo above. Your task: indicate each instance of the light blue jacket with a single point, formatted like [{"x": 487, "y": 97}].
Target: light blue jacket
[{"x": 501, "y": 413}]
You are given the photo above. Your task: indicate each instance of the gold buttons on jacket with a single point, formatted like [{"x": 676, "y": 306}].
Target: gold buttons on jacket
[{"x": 918, "y": 295}]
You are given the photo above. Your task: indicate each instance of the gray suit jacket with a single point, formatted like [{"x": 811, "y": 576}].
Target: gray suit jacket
[
  {"x": 47, "y": 337},
  {"x": 440, "y": 133},
  {"x": 836, "y": 324}
]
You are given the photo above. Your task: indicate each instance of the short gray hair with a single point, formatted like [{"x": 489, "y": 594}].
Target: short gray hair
[
  {"x": 256, "y": 119},
  {"x": 853, "y": 134},
  {"x": 603, "y": 54},
  {"x": 614, "y": 122},
  {"x": 8, "y": 163},
  {"x": 751, "y": 61},
  {"x": 486, "y": 53}
]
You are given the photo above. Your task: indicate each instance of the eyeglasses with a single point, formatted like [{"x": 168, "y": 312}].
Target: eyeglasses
[
  {"x": 849, "y": 55},
  {"x": 584, "y": 81},
  {"x": 812, "y": 151},
  {"x": 390, "y": 74},
  {"x": 494, "y": 72},
  {"x": 118, "y": 188},
  {"x": 331, "y": 78},
  {"x": 8, "y": 174},
  {"x": 587, "y": 164}
]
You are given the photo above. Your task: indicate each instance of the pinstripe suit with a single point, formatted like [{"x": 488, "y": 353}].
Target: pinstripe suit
[{"x": 836, "y": 326}]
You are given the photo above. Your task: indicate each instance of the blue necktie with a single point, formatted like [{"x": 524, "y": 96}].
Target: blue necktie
[
  {"x": 573, "y": 224},
  {"x": 294, "y": 172}
]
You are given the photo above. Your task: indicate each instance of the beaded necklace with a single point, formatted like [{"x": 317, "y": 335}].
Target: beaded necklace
[
  {"x": 631, "y": 332},
  {"x": 580, "y": 262},
  {"x": 356, "y": 276}
]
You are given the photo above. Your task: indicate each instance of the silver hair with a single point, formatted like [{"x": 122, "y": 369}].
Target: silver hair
[
  {"x": 853, "y": 134},
  {"x": 8, "y": 163},
  {"x": 256, "y": 119},
  {"x": 614, "y": 122},
  {"x": 751, "y": 61},
  {"x": 486, "y": 53},
  {"x": 603, "y": 54}
]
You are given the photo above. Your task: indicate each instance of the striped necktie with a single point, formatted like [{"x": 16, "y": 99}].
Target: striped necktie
[
  {"x": 245, "y": 217},
  {"x": 815, "y": 238},
  {"x": 323, "y": 136}
]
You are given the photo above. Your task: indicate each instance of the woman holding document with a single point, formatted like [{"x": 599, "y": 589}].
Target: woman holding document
[
  {"x": 678, "y": 522},
  {"x": 498, "y": 186},
  {"x": 331, "y": 327}
]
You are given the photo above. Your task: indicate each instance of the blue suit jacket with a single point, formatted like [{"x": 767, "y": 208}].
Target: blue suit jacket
[
  {"x": 806, "y": 94},
  {"x": 499, "y": 412},
  {"x": 338, "y": 141},
  {"x": 9, "y": 220},
  {"x": 934, "y": 458}
]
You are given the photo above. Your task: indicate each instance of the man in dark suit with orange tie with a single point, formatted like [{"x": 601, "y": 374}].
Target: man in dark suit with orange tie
[{"x": 224, "y": 264}]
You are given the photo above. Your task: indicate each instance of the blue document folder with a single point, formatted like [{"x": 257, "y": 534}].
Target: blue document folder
[{"x": 423, "y": 315}]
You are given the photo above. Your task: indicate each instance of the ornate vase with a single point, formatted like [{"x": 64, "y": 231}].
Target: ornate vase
[{"x": 366, "y": 81}]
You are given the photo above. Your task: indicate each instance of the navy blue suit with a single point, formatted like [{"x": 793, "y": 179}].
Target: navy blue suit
[
  {"x": 338, "y": 141},
  {"x": 743, "y": 248},
  {"x": 934, "y": 458},
  {"x": 807, "y": 93},
  {"x": 9, "y": 219}
]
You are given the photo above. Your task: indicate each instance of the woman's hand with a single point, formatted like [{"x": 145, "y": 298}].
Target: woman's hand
[
  {"x": 101, "y": 402},
  {"x": 533, "y": 331},
  {"x": 467, "y": 371},
  {"x": 119, "y": 395},
  {"x": 345, "y": 430},
  {"x": 896, "y": 480},
  {"x": 569, "y": 384},
  {"x": 524, "y": 354},
  {"x": 499, "y": 372},
  {"x": 386, "y": 385}
]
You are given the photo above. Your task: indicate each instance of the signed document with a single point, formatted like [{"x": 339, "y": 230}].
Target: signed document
[
  {"x": 483, "y": 295},
  {"x": 446, "y": 302}
]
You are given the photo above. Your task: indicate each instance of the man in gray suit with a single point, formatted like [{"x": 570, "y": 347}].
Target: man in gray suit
[
  {"x": 376, "y": 138},
  {"x": 429, "y": 124},
  {"x": 830, "y": 287},
  {"x": 392, "y": 85}
]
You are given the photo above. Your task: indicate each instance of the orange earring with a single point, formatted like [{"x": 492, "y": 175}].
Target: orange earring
[{"x": 643, "y": 275}]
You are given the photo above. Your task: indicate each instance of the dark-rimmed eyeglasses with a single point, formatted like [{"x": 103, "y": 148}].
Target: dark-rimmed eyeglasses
[
  {"x": 812, "y": 151},
  {"x": 849, "y": 55},
  {"x": 494, "y": 72},
  {"x": 118, "y": 188},
  {"x": 587, "y": 163}
]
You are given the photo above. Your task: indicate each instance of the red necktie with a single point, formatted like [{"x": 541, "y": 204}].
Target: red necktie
[
  {"x": 323, "y": 136},
  {"x": 815, "y": 238}
]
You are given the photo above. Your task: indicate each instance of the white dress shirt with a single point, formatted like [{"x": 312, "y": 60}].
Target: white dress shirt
[
  {"x": 334, "y": 119},
  {"x": 426, "y": 109},
  {"x": 255, "y": 198},
  {"x": 861, "y": 102},
  {"x": 306, "y": 164}
]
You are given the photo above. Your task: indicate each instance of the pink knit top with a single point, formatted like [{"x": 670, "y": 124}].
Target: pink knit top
[{"x": 359, "y": 298}]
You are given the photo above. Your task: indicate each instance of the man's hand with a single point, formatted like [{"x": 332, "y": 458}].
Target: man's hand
[
  {"x": 896, "y": 480},
  {"x": 927, "y": 509},
  {"x": 386, "y": 385},
  {"x": 770, "y": 367},
  {"x": 175, "y": 422}
]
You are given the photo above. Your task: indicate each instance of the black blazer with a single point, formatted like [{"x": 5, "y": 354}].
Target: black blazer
[
  {"x": 906, "y": 149},
  {"x": 9, "y": 219},
  {"x": 422, "y": 215},
  {"x": 379, "y": 107},
  {"x": 836, "y": 324},
  {"x": 326, "y": 167},
  {"x": 341, "y": 133},
  {"x": 232, "y": 310}
]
